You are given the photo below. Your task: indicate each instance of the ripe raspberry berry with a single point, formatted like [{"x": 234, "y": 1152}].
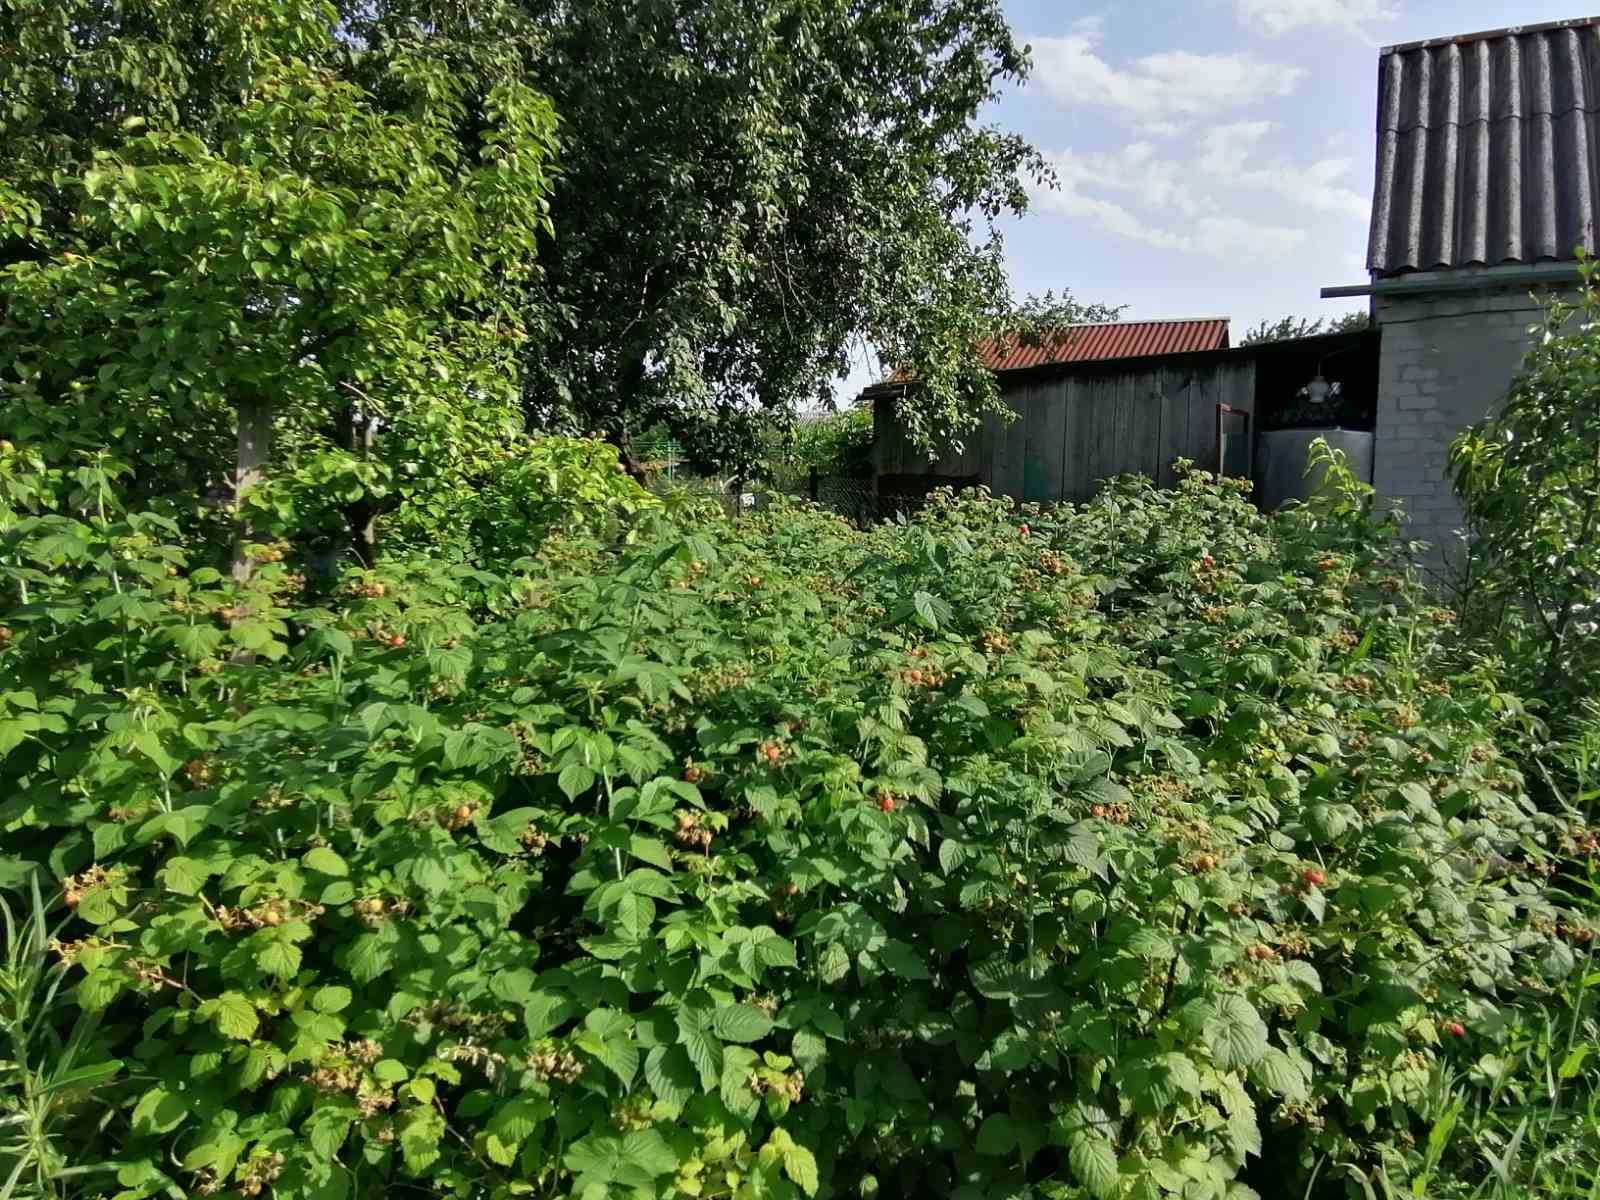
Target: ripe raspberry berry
[
  {"x": 397, "y": 641},
  {"x": 1024, "y": 530},
  {"x": 886, "y": 803},
  {"x": 1098, "y": 810},
  {"x": 1455, "y": 1029},
  {"x": 1312, "y": 877}
]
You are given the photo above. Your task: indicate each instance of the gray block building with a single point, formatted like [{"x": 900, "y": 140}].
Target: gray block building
[{"x": 1488, "y": 169}]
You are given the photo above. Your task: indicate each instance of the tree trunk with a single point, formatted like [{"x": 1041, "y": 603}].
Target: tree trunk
[
  {"x": 627, "y": 390},
  {"x": 255, "y": 445},
  {"x": 361, "y": 518},
  {"x": 630, "y": 464}
]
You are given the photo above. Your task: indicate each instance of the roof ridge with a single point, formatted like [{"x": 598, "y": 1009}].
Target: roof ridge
[
  {"x": 1142, "y": 321},
  {"x": 1462, "y": 39}
]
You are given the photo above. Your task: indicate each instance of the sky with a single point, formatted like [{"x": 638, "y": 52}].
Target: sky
[{"x": 1213, "y": 157}]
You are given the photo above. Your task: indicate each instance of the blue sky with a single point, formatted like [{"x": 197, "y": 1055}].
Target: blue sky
[{"x": 1215, "y": 157}]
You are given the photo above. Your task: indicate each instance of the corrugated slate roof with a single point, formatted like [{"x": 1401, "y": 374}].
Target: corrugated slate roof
[{"x": 1488, "y": 148}]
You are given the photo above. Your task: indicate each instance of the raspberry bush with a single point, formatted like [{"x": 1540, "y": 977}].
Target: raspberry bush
[{"x": 1148, "y": 848}]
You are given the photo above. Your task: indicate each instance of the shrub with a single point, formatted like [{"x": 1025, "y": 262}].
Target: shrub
[
  {"x": 1136, "y": 849},
  {"x": 836, "y": 444},
  {"x": 1529, "y": 478}
]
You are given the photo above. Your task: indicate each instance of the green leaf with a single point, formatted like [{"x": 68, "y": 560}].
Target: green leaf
[
  {"x": 776, "y": 951},
  {"x": 234, "y": 1016},
  {"x": 1093, "y": 1160},
  {"x": 800, "y": 1165},
  {"x": 420, "y": 1137},
  {"x": 651, "y": 851},
  {"x": 951, "y": 855},
  {"x": 1279, "y": 1074},
  {"x": 184, "y": 875},
  {"x": 635, "y": 915},
  {"x": 1235, "y": 1032},
  {"x": 671, "y": 1075},
  {"x": 704, "y": 1051},
  {"x": 279, "y": 958},
  {"x": 634, "y": 1161},
  {"x": 325, "y": 861},
  {"x": 515, "y": 1121},
  {"x": 331, "y": 999},
  {"x": 575, "y": 780},
  {"x": 545, "y": 1010},
  {"x": 368, "y": 957},
  {"x": 158, "y": 1111},
  {"x": 1150, "y": 943},
  {"x": 997, "y": 1136},
  {"x": 340, "y": 891},
  {"x": 834, "y": 963},
  {"x": 617, "y": 1053},
  {"x": 740, "y": 1023},
  {"x": 902, "y": 960}
]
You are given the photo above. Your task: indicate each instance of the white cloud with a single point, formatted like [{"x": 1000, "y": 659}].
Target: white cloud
[
  {"x": 1226, "y": 199},
  {"x": 1227, "y": 153},
  {"x": 1278, "y": 17},
  {"x": 1159, "y": 90},
  {"x": 1219, "y": 236},
  {"x": 1136, "y": 167}
]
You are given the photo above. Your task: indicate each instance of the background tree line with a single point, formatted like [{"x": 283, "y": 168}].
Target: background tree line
[{"x": 352, "y": 250}]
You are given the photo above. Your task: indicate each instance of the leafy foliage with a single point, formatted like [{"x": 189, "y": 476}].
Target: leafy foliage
[
  {"x": 1529, "y": 479},
  {"x": 838, "y": 443},
  {"x": 336, "y": 249},
  {"x": 751, "y": 191},
  {"x": 1288, "y": 328},
  {"x": 1136, "y": 849}
]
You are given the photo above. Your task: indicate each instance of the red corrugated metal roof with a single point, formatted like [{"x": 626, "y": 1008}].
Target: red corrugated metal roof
[
  {"x": 1092, "y": 343},
  {"x": 1121, "y": 339}
]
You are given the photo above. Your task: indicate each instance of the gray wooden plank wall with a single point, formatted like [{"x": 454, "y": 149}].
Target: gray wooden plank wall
[{"x": 1075, "y": 430}]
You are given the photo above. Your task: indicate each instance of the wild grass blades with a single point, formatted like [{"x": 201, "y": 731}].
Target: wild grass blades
[
  {"x": 1536, "y": 1127},
  {"x": 45, "y": 1077}
]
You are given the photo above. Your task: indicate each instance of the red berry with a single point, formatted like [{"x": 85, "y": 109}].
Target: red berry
[
  {"x": 886, "y": 803},
  {"x": 1313, "y": 877},
  {"x": 1456, "y": 1029},
  {"x": 1098, "y": 810}
]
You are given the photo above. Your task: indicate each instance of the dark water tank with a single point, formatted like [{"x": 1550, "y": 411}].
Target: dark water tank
[{"x": 1283, "y": 462}]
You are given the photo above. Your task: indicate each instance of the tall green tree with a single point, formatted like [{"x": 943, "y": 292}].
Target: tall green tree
[
  {"x": 750, "y": 192},
  {"x": 1288, "y": 328},
  {"x": 275, "y": 246}
]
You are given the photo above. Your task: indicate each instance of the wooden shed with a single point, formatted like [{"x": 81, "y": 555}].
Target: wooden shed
[
  {"x": 1085, "y": 420},
  {"x": 1081, "y": 419}
]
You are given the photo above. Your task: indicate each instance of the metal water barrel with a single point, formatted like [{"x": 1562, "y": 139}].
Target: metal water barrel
[{"x": 1283, "y": 458}]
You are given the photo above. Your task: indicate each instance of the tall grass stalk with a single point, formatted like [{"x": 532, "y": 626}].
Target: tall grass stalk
[{"x": 45, "y": 1076}]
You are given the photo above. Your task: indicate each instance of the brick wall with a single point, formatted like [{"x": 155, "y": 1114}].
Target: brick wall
[{"x": 1446, "y": 359}]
